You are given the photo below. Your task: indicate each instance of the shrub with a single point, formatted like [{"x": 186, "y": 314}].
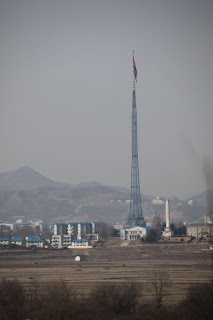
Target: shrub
[
  {"x": 12, "y": 299},
  {"x": 117, "y": 298}
]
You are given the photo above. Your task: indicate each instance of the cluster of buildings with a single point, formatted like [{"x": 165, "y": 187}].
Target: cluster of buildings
[
  {"x": 141, "y": 232},
  {"x": 84, "y": 234},
  {"x": 74, "y": 234},
  {"x": 71, "y": 235},
  {"x": 28, "y": 241},
  {"x": 19, "y": 224},
  {"x": 157, "y": 201},
  {"x": 193, "y": 229},
  {"x": 14, "y": 233}
]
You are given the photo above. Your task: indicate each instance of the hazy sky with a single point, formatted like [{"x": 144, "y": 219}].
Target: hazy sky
[{"x": 65, "y": 90}]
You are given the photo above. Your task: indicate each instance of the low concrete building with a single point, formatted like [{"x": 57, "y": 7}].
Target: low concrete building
[
  {"x": 80, "y": 243},
  {"x": 4, "y": 241},
  {"x": 80, "y": 258},
  {"x": 208, "y": 218},
  {"x": 199, "y": 229},
  {"x": 33, "y": 242},
  {"x": 135, "y": 233},
  {"x": 158, "y": 201},
  {"x": 190, "y": 202},
  {"x": 19, "y": 241}
]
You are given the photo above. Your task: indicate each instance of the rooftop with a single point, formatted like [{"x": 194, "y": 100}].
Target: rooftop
[
  {"x": 35, "y": 240},
  {"x": 141, "y": 227},
  {"x": 199, "y": 224},
  {"x": 16, "y": 238}
]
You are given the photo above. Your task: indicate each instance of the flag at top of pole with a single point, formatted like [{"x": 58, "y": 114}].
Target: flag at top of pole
[{"x": 134, "y": 68}]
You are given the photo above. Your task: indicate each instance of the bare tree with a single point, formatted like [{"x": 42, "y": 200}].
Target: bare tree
[
  {"x": 117, "y": 298},
  {"x": 34, "y": 293},
  {"x": 105, "y": 230},
  {"x": 12, "y": 299},
  {"x": 157, "y": 223},
  {"x": 58, "y": 301},
  {"x": 158, "y": 281},
  {"x": 25, "y": 230},
  {"x": 199, "y": 300}
]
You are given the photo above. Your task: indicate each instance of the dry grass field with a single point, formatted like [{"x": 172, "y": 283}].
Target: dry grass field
[{"x": 185, "y": 264}]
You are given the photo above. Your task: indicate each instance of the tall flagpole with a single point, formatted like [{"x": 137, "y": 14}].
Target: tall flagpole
[{"x": 135, "y": 211}]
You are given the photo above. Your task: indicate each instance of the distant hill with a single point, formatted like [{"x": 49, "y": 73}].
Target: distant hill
[
  {"x": 62, "y": 203},
  {"x": 205, "y": 199},
  {"x": 25, "y": 178},
  {"x": 202, "y": 198},
  {"x": 24, "y": 192},
  {"x": 88, "y": 184}
]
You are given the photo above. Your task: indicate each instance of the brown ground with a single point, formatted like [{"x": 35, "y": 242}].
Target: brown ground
[{"x": 185, "y": 264}]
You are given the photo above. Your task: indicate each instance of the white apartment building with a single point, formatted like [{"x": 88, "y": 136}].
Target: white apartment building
[{"x": 65, "y": 233}]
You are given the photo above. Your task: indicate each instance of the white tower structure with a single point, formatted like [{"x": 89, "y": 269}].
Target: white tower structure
[
  {"x": 167, "y": 233},
  {"x": 167, "y": 205},
  {"x": 79, "y": 231}
]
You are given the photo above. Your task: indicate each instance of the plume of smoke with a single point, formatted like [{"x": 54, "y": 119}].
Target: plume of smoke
[
  {"x": 190, "y": 150},
  {"x": 205, "y": 165},
  {"x": 208, "y": 173}
]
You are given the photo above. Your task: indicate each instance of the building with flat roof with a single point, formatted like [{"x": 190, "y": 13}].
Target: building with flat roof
[
  {"x": 199, "y": 230},
  {"x": 135, "y": 233},
  {"x": 34, "y": 242},
  {"x": 80, "y": 244},
  {"x": 19, "y": 241}
]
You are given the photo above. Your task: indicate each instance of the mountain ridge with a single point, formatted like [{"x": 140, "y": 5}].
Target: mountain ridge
[
  {"x": 24, "y": 192},
  {"x": 25, "y": 178}
]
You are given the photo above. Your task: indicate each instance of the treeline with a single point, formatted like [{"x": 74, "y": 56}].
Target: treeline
[{"x": 59, "y": 301}]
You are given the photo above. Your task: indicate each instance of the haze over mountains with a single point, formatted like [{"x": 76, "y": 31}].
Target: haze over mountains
[
  {"x": 25, "y": 192},
  {"x": 24, "y": 178}
]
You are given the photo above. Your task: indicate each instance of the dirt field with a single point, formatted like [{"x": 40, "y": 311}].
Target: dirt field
[{"x": 184, "y": 263}]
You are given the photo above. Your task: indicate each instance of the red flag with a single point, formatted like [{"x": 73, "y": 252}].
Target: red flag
[{"x": 134, "y": 69}]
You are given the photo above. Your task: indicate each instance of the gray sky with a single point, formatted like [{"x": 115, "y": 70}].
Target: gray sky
[{"x": 65, "y": 90}]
